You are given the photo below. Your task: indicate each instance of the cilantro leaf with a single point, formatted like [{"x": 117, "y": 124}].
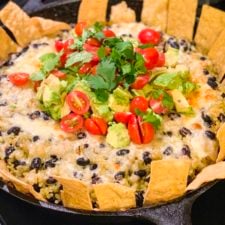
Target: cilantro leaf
[
  {"x": 82, "y": 57},
  {"x": 102, "y": 95},
  {"x": 40, "y": 75},
  {"x": 97, "y": 82},
  {"x": 152, "y": 118},
  {"x": 49, "y": 61}
]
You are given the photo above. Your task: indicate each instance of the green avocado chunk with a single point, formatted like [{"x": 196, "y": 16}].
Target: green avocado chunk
[
  {"x": 118, "y": 136},
  {"x": 171, "y": 57}
]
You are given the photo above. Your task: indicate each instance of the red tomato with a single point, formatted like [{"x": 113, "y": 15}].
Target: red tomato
[
  {"x": 140, "y": 82},
  {"x": 122, "y": 117},
  {"x": 94, "y": 70},
  {"x": 93, "y": 42},
  {"x": 93, "y": 50},
  {"x": 149, "y": 36},
  {"x": 139, "y": 103},
  {"x": 138, "y": 50},
  {"x": 161, "y": 60},
  {"x": 58, "y": 74},
  {"x": 67, "y": 44},
  {"x": 96, "y": 126},
  {"x": 85, "y": 68},
  {"x": 151, "y": 57},
  {"x": 72, "y": 123},
  {"x": 19, "y": 79},
  {"x": 59, "y": 45},
  {"x": 147, "y": 131},
  {"x": 133, "y": 130},
  {"x": 157, "y": 106},
  {"x": 109, "y": 33},
  {"x": 78, "y": 102},
  {"x": 79, "y": 28}
]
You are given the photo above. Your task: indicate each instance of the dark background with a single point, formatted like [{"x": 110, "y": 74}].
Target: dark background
[{"x": 208, "y": 209}]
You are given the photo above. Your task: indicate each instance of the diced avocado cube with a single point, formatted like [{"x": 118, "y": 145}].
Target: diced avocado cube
[{"x": 171, "y": 57}]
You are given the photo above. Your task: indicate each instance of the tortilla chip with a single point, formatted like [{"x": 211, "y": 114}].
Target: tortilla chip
[
  {"x": 7, "y": 45},
  {"x": 114, "y": 196},
  {"x": 121, "y": 13},
  {"x": 155, "y": 13},
  {"x": 208, "y": 174},
  {"x": 181, "y": 18},
  {"x": 212, "y": 22},
  {"x": 221, "y": 139},
  {"x": 50, "y": 27},
  {"x": 217, "y": 54},
  {"x": 75, "y": 194},
  {"x": 92, "y": 11},
  {"x": 19, "y": 23},
  {"x": 168, "y": 180}
]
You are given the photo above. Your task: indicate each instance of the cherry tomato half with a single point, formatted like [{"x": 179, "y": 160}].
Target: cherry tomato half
[
  {"x": 19, "y": 79},
  {"x": 122, "y": 117},
  {"x": 149, "y": 36},
  {"x": 151, "y": 56},
  {"x": 139, "y": 103},
  {"x": 161, "y": 60},
  {"x": 59, "y": 45},
  {"x": 109, "y": 33},
  {"x": 58, "y": 74},
  {"x": 85, "y": 68},
  {"x": 93, "y": 50},
  {"x": 147, "y": 131},
  {"x": 96, "y": 126},
  {"x": 79, "y": 28},
  {"x": 72, "y": 123},
  {"x": 133, "y": 130},
  {"x": 78, "y": 102},
  {"x": 157, "y": 106},
  {"x": 93, "y": 42},
  {"x": 140, "y": 82},
  {"x": 67, "y": 44}
]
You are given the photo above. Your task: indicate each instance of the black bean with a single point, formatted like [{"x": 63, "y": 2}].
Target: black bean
[
  {"x": 35, "y": 138},
  {"x": 14, "y": 130},
  {"x": 83, "y": 162},
  {"x": 17, "y": 163},
  {"x": 119, "y": 176},
  {"x": 168, "y": 151},
  {"x": 102, "y": 145},
  {"x": 211, "y": 135},
  {"x": 45, "y": 116},
  {"x": 184, "y": 132},
  {"x": 173, "y": 43},
  {"x": 8, "y": 151},
  {"x": 147, "y": 158},
  {"x": 37, "y": 45},
  {"x": 51, "y": 180},
  {"x": 223, "y": 95},
  {"x": 36, "y": 187},
  {"x": 86, "y": 145},
  {"x": 95, "y": 179},
  {"x": 81, "y": 135},
  {"x": 203, "y": 58},
  {"x": 51, "y": 162},
  {"x": 123, "y": 152},
  {"x": 174, "y": 116},
  {"x": 221, "y": 118},
  {"x": 186, "y": 151},
  {"x": 93, "y": 166},
  {"x": 212, "y": 82},
  {"x": 36, "y": 163},
  {"x": 205, "y": 71},
  {"x": 140, "y": 173},
  {"x": 207, "y": 119},
  {"x": 168, "y": 133},
  {"x": 139, "y": 198},
  {"x": 52, "y": 199},
  {"x": 35, "y": 115}
]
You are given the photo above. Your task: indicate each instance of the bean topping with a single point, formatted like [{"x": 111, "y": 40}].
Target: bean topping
[
  {"x": 95, "y": 179},
  {"x": 223, "y": 95},
  {"x": 184, "y": 132},
  {"x": 146, "y": 158},
  {"x": 140, "y": 173},
  {"x": 119, "y": 176},
  {"x": 205, "y": 71},
  {"x": 102, "y": 145},
  {"x": 36, "y": 187},
  {"x": 35, "y": 138},
  {"x": 186, "y": 151},
  {"x": 208, "y": 121},
  {"x": 34, "y": 115},
  {"x": 139, "y": 198},
  {"x": 174, "y": 116},
  {"x": 123, "y": 152},
  {"x": 14, "y": 130},
  {"x": 45, "y": 116},
  {"x": 168, "y": 151},
  {"x": 17, "y": 163},
  {"x": 212, "y": 82},
  {"x": 81, "y": 135},
  {"x": 51, "y": 163},
  {"x": 93, "y": 166},
  {"x": 86, "y": 145},
  {"x": 37, "y": 45},
  {"x": 203, "y": 58},
  {"x": 211, "y": 135},
  {"x": 221, "y": 118},
  {"x": 51, "y": 180},
  {"x": 168, "y": 133},
  {"x": 8, "y": 151},
  {"x": 36, "y": 163},
  {"x": 83, "y": 162}
]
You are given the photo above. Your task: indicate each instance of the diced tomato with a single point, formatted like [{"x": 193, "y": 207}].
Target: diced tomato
[
  {"x": 133, "y": 130},
  {"x": 140, "y": 132},
  {"x": 94, "y": 70},
  {"x": 140, "y": 82},
  {"x": 85, "y": 68},
  {"x": 139, "y": 103},
  {"x": 122, "y": 117},
  {"x": 58, "y": 74},
  {"x": 67, "y": 44},
  {"x": 157, "y": 106},
  {"x": 72, "y": 123},
  {"x": 138, "y": 50},
  {"x": 109, "y": 33},
  {"x": 151, "y": 56},
  {"x": 93, "y": 42},
  {"x": 19, "y": 79},
  {"x": 78, "y": 102},
  {"x": 93, "y": 50},
  {"x": 149, "y": 36},
  {"x": 161, "y": 60},
  {"x": 59, "y": 45},
  {"x": 96, "y": 126},
  {"x": 80, "y": 27}
]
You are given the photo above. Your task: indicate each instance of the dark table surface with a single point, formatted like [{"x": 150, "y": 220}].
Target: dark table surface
[{"x": 209, "y": 209}]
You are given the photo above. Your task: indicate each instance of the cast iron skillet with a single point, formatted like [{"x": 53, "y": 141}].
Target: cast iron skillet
[{"x": 175, "y": 213}]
